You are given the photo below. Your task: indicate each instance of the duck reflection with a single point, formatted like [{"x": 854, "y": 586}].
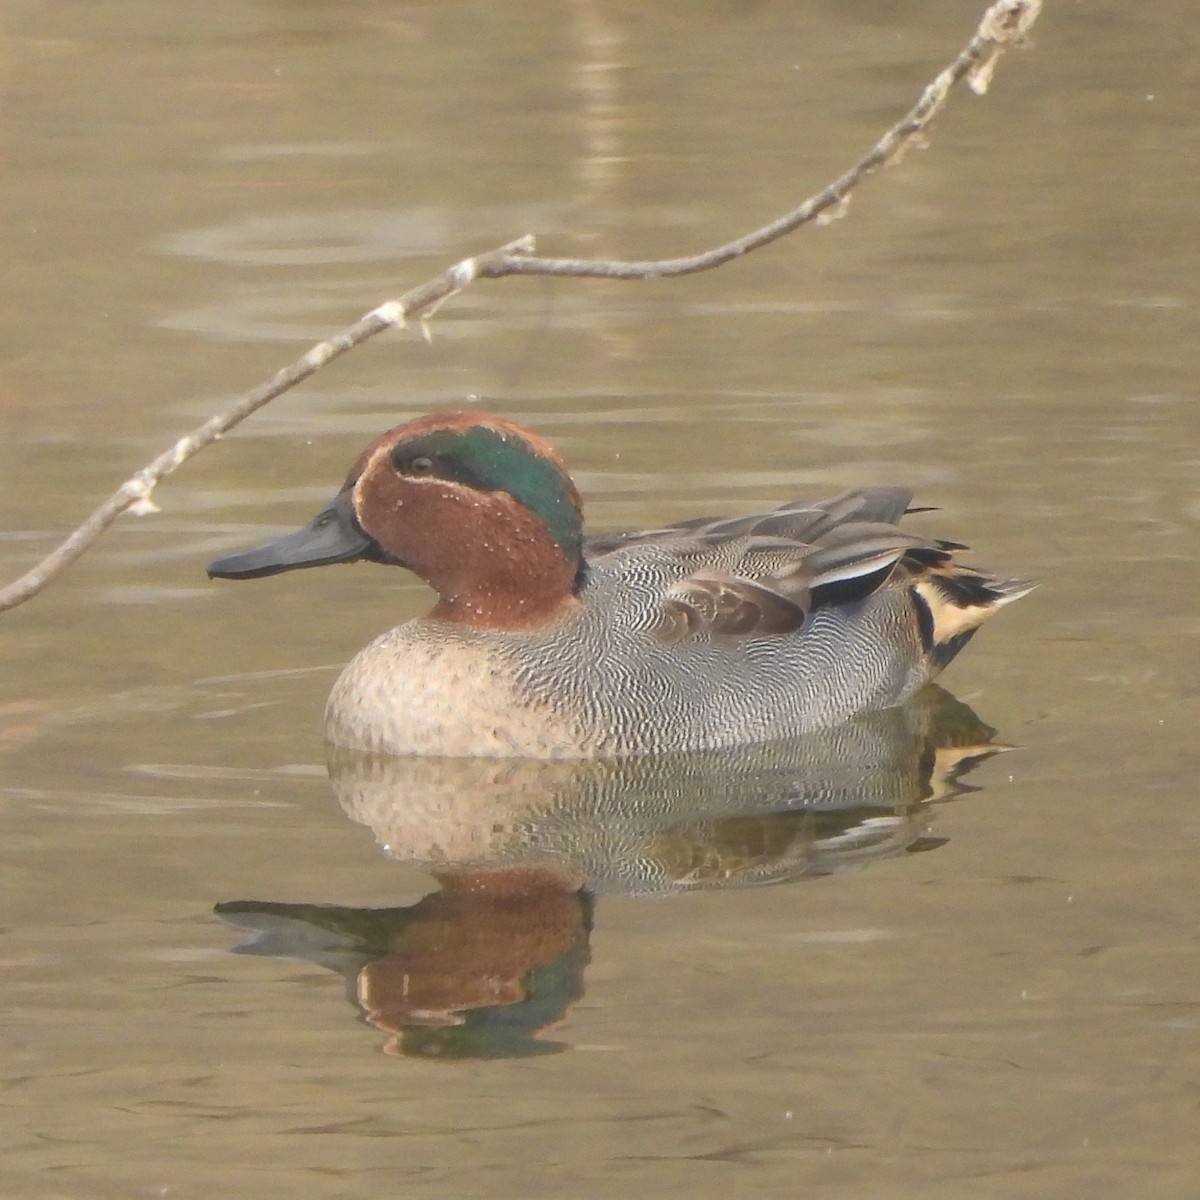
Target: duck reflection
[{"x": 489, "y": 964}]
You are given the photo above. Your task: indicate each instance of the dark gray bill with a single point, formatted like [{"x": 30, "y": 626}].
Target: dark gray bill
[{"x": 333, "y": 536}]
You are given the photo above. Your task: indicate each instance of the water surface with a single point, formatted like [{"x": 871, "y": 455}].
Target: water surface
[{"x": 1005, "y": 322}]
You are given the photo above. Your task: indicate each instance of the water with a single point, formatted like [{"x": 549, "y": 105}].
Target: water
[{"x": 1004, "y": 322}]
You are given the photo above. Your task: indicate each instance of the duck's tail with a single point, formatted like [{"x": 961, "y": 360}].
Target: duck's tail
[{"x": 953, "y": 600}]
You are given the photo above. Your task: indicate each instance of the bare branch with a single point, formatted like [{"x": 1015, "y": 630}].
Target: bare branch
[
  {"x": 1004, "y": 24},
  {"x": 135, "y": 492}
]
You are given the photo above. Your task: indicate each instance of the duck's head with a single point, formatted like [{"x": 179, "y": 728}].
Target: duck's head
[{"x": 481, "y": 509}]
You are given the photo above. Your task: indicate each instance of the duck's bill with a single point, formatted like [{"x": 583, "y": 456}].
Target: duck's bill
[{"x": 333, "y": 536}]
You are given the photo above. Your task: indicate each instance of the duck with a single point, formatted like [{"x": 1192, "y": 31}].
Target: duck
[{"x": 547, "y": 643}]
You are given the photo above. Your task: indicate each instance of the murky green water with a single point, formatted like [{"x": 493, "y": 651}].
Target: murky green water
[{"x": 1006, "y": 323}]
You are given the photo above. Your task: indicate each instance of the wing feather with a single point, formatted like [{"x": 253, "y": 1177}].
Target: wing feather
[{"x": 762, "y": 575}]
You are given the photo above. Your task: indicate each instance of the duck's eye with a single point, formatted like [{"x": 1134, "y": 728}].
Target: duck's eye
[{"x": 422, "y": 464}]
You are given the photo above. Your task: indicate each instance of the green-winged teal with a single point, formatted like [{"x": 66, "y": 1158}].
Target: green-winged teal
[{"x": 547, "y": 644}]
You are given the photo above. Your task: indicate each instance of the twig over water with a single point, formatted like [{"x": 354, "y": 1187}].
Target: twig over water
[{"x": 1004, "y": 24}]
